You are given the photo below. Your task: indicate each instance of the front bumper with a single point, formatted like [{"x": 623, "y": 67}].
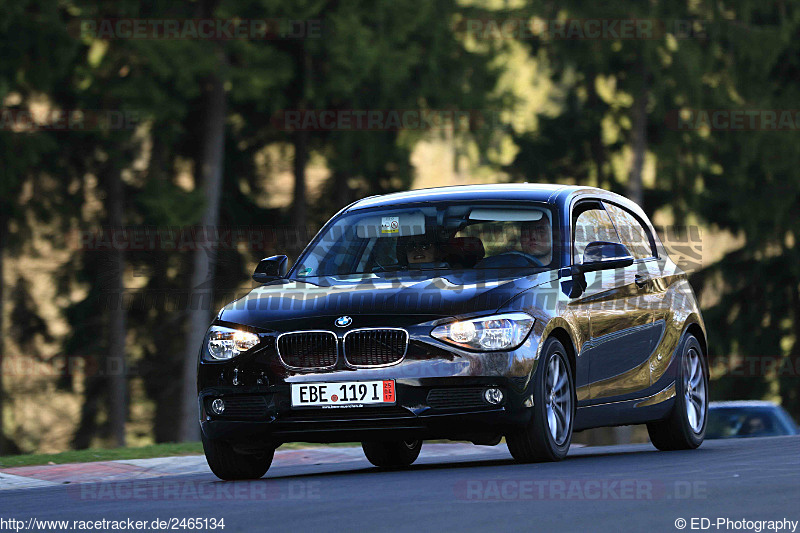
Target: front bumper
[
  {"x": 439, "y": 394},
  {"x": 433, "y": 409}
]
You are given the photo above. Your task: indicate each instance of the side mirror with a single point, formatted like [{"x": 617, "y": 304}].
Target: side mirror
[
  {"x": 601, "y": 255},
  {"x": 598, "y": 255},
  {"x": 271, "y": 268}
]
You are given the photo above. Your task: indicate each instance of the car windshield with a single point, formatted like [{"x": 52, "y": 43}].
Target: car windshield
[
  {"x": 433, "y": 237},
  {"x": 726, "y": 422}
]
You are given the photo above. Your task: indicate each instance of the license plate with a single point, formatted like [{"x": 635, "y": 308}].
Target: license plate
[{"x": 343, "y": 393}]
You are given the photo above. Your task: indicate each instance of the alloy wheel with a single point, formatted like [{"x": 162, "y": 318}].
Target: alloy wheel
[
  {"x": 694, "y": 389},
  {"x": 558, "y": 399}
]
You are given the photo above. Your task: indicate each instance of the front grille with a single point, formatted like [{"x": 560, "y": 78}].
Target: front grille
[
  {"x": 308, "y": 349},
  {"x": 459, "y": 398},
  {"x": 375, "y": 347},
  {"x": 241, "y": 406}
]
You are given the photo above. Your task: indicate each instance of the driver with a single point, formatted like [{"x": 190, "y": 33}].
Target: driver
[
  {"x": 421, "y": 252},
  {"x": 536, "y": 239},
  {"x": 754, "y": 426}
]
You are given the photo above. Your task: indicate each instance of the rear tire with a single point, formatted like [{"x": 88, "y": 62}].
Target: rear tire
[
  {"x": 685, "y": 427},
  {"x": 392, "y": 454},
  {"x": 228, "y": 464},
  {"x": 548, "y": 435}
]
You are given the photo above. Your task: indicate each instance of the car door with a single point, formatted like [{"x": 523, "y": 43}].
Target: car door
[
  {"x": 650, "y": 278},
  {"x": 620, "y": 320}
]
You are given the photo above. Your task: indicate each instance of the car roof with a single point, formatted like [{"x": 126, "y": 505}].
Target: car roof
[
  {"x": 743, "y": 403},
  {"x": 538, "y": 192}
]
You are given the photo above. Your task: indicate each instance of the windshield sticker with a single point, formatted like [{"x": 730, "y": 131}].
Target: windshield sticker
[
  {"x": 305, "y": 272},
  {"x": 390, "y": 224}
]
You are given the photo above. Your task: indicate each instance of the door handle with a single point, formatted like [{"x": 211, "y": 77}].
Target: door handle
[{"x": 641, "y": 280}]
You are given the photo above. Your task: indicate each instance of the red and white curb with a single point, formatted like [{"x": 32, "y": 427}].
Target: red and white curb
[
  {"x": 24, "y": 477},
  {"x": 10, "y": 481}
]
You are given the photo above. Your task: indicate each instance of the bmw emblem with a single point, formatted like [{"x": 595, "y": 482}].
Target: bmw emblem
[{"x": 343, "y": 321}]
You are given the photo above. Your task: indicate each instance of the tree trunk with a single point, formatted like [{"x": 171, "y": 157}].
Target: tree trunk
[
  {"x": 3, "y": 239},
  {"x": 117, "y": 331},
  {"x": 299, "y": 203},
  {"x": 161, "y": 385},
  {"x": 639, "y": 139},
  {"x": 299, "y": 215},
  {"x": 201, "y": 288},
  {"x": 87, "y": 427},
  {"x": 300, "y": 160},
  {"x": 112, "y": 383},
  {"x": 790, "y": 398},
  {"x": 344, "y": 196}
]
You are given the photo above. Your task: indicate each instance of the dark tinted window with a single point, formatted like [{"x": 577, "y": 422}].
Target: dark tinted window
[
  {"x": 592, "y": 224},
  {"x": 633, "y": 235}
]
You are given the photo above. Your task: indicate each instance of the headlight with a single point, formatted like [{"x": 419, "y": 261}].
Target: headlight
[
  {"x": 226, "y": 343},
  {"x": 500, "y": 332}
]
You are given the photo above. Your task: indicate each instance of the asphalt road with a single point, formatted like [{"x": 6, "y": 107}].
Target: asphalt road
[{"x": 620, "y": 488}]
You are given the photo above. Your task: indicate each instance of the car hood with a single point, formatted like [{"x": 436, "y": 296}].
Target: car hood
[{"x": 402, "y": 299}]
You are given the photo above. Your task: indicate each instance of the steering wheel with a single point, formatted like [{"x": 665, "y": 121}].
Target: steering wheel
[{"x": 531, "y": 259}]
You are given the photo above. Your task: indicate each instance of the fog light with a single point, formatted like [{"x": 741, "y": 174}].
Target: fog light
[
  {"x": 493, "y": 396},
  {"x": 218, "y": 406}
]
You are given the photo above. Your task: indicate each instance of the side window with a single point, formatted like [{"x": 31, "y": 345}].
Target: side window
[
  {"x": 631, "y": 232},
  {"x": 591, "y": 224}
]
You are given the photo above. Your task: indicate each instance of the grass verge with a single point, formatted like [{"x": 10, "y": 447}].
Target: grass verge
[
  {"x": 102, "y": 454},
  {"x": 117, "y": 454}
]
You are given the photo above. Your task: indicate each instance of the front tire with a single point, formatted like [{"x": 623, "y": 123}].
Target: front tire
[
  {"x": 228, "y": 464},
  {"x": 547, "y": 437},
  {"x": 685, "y": 427},
  {"x": 392, "y": 454}
]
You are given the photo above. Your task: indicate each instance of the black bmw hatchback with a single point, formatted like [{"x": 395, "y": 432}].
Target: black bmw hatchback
[{"x": 468, "y": 313}]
